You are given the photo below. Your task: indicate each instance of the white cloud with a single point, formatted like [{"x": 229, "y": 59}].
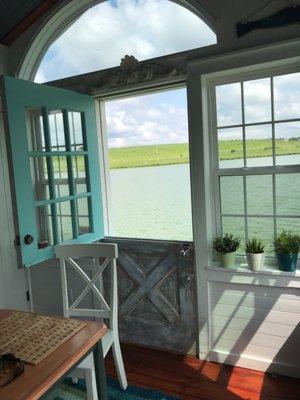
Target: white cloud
[
  {"x": 257, "y": 101},
  {"x": 105, "y": 33},
  {"x": 147, "y": 120},
  {"x": 40, "y": 76}
]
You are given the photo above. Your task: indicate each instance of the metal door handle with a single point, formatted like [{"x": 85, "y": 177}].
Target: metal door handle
[
  {"x": 186, "y": 250},
  {"x": 28, "y": 239},
  {"x": 186, "y": 279}
]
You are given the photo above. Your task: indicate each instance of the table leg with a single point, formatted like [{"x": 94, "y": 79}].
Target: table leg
[{"x": 100, "y": 371}]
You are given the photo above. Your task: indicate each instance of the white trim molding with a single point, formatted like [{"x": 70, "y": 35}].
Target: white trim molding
[{"x": 201, "y": 76}]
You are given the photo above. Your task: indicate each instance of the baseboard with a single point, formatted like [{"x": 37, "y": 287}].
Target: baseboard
[{"x": 254, "y": 363}]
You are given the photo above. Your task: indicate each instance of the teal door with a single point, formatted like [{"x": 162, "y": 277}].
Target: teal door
[{"x": 54, "y": 155}]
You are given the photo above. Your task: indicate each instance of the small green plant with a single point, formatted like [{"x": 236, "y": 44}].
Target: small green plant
[
  {"x": 287, "y": 242},
  {"x": 254, "y": 246},
  {"x": 226, "y": 244}
]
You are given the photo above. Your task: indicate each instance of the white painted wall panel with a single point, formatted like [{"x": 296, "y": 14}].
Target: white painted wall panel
[
  {"x": 256, "y": 323},
  {"x": 255, "y": 313},
  {"x": 13, "y": 283},
  {"x": 268, "y": 299},
  {"x": 237, "y": 324}
]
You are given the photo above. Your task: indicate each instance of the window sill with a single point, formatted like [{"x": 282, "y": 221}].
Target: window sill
[{"x": 267, "y": 270}]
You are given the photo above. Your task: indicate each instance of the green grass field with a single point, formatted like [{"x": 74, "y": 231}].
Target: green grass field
[{"x": 166, "y": 154}]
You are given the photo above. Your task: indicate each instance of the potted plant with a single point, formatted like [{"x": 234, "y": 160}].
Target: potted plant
[
  {"x": 287, "y": 246},
  {"x": 255, "y": 253},
  {"x": 226, "y": 247}
]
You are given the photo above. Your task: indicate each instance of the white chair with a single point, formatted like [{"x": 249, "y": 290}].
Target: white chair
[{"x": 70, "y": 253}]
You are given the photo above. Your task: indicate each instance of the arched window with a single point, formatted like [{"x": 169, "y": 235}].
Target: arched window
[{"x": 106, "y": 32}]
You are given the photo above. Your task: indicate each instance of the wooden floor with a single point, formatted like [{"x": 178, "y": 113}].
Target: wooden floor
[{"x": 188, "y": 378}]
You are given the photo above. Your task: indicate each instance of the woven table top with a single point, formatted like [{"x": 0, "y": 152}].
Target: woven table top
[{"x": 32, "y": 337}]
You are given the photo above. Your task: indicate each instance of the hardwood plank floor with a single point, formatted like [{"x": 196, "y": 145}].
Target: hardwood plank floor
[{"x": 188, "y": 378}]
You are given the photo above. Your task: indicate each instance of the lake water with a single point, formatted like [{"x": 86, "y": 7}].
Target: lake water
[
  {"x": 155, "y": 202},
  {"x": 152, "y": 202}
]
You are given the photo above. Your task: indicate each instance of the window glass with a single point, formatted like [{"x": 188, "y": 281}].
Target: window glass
[
  {"x": 259, "y": 195},
  {"x": 76, "y": 133},
  {"x": 259, "y": 145},
  {"x": 60, "y": 179},
  {"x": 79, "y": 171},
  {"x": 287, "y": 143},
  {"x": 83, "y": 215},
  {"x": 57, "y": 132},
  {"x": 149, "y": 166},
  {"x": 44, "y": 226},
  {"x": 286, "y": 96},
  {"x": 232, "y": 201},
  {"x": 257, "y": 100},
  {"x": 39, "y": 178},
  {"x": 60, "y": 171},
  {"x": 289, "y": 224},
  {"x": 229, "y": 104},
  {"x": 270, "y": 135},
  {"x": 230, "y": 146},
  {"x": 288, "y": 194},
  {"x": 35, "y": 130},
  {"x": 64, "y": 221}
]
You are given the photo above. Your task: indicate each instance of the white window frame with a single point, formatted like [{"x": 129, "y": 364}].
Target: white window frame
[
  {"x": 210, "y": 142},
  {"x": 104, "y": 151}
]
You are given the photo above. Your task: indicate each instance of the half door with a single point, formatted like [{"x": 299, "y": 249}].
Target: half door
[{"x": 55, "y": 167}]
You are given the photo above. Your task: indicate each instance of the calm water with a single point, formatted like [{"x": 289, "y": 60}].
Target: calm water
[
  {"x": 152, "y": 202},
  {"x": 155, "y": 202}
]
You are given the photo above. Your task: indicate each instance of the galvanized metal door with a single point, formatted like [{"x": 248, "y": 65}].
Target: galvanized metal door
[{"x": 157, "y": 302}]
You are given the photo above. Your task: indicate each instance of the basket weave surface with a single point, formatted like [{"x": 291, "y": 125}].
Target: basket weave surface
[{"x": 32, "y": 337}]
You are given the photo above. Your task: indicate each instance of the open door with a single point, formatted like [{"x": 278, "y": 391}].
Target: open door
[{"x": 55, "y": 163}]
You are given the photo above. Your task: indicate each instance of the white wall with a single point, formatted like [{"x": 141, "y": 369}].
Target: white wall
[
  {"x": 254, "y": 320},
  {"x": 12, "y": 279}
]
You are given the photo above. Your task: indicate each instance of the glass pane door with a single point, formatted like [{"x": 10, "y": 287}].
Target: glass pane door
[{"x": 54, "y": 154}]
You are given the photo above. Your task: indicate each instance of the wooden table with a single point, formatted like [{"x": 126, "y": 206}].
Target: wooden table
[{"x": 38, "y": 380}]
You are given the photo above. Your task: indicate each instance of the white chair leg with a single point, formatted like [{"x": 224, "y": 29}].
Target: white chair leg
[
  {"x": 90, "y": 381},
  {"x": 119, "y": 363}
]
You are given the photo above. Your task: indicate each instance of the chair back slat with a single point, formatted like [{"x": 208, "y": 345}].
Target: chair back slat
[
  {"x": 82, "y": 312},
  {"x": 96, "y": 250},
  {"x": 102, "y": 256}
]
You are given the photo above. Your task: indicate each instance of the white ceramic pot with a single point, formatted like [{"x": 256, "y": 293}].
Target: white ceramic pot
[
  {"x": 255, "y": 261},
  {"x": 227, "y": 260}
]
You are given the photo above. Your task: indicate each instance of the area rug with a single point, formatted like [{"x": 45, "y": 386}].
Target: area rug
[{"x": 72, "y": 391}]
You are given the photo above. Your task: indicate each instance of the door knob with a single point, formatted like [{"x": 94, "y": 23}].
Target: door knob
[
  {"x": 186, "y": 279},
  {"x": 186, "y": 250},
  {"x": 28, "y": 239}
]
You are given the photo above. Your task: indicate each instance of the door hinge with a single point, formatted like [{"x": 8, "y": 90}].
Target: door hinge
[
  {"x": 27, "y": 295},
  {"x": 17, "y": 241}
]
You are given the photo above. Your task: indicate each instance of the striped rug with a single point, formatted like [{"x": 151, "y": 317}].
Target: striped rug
[{"x": 72, "y": 391}]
